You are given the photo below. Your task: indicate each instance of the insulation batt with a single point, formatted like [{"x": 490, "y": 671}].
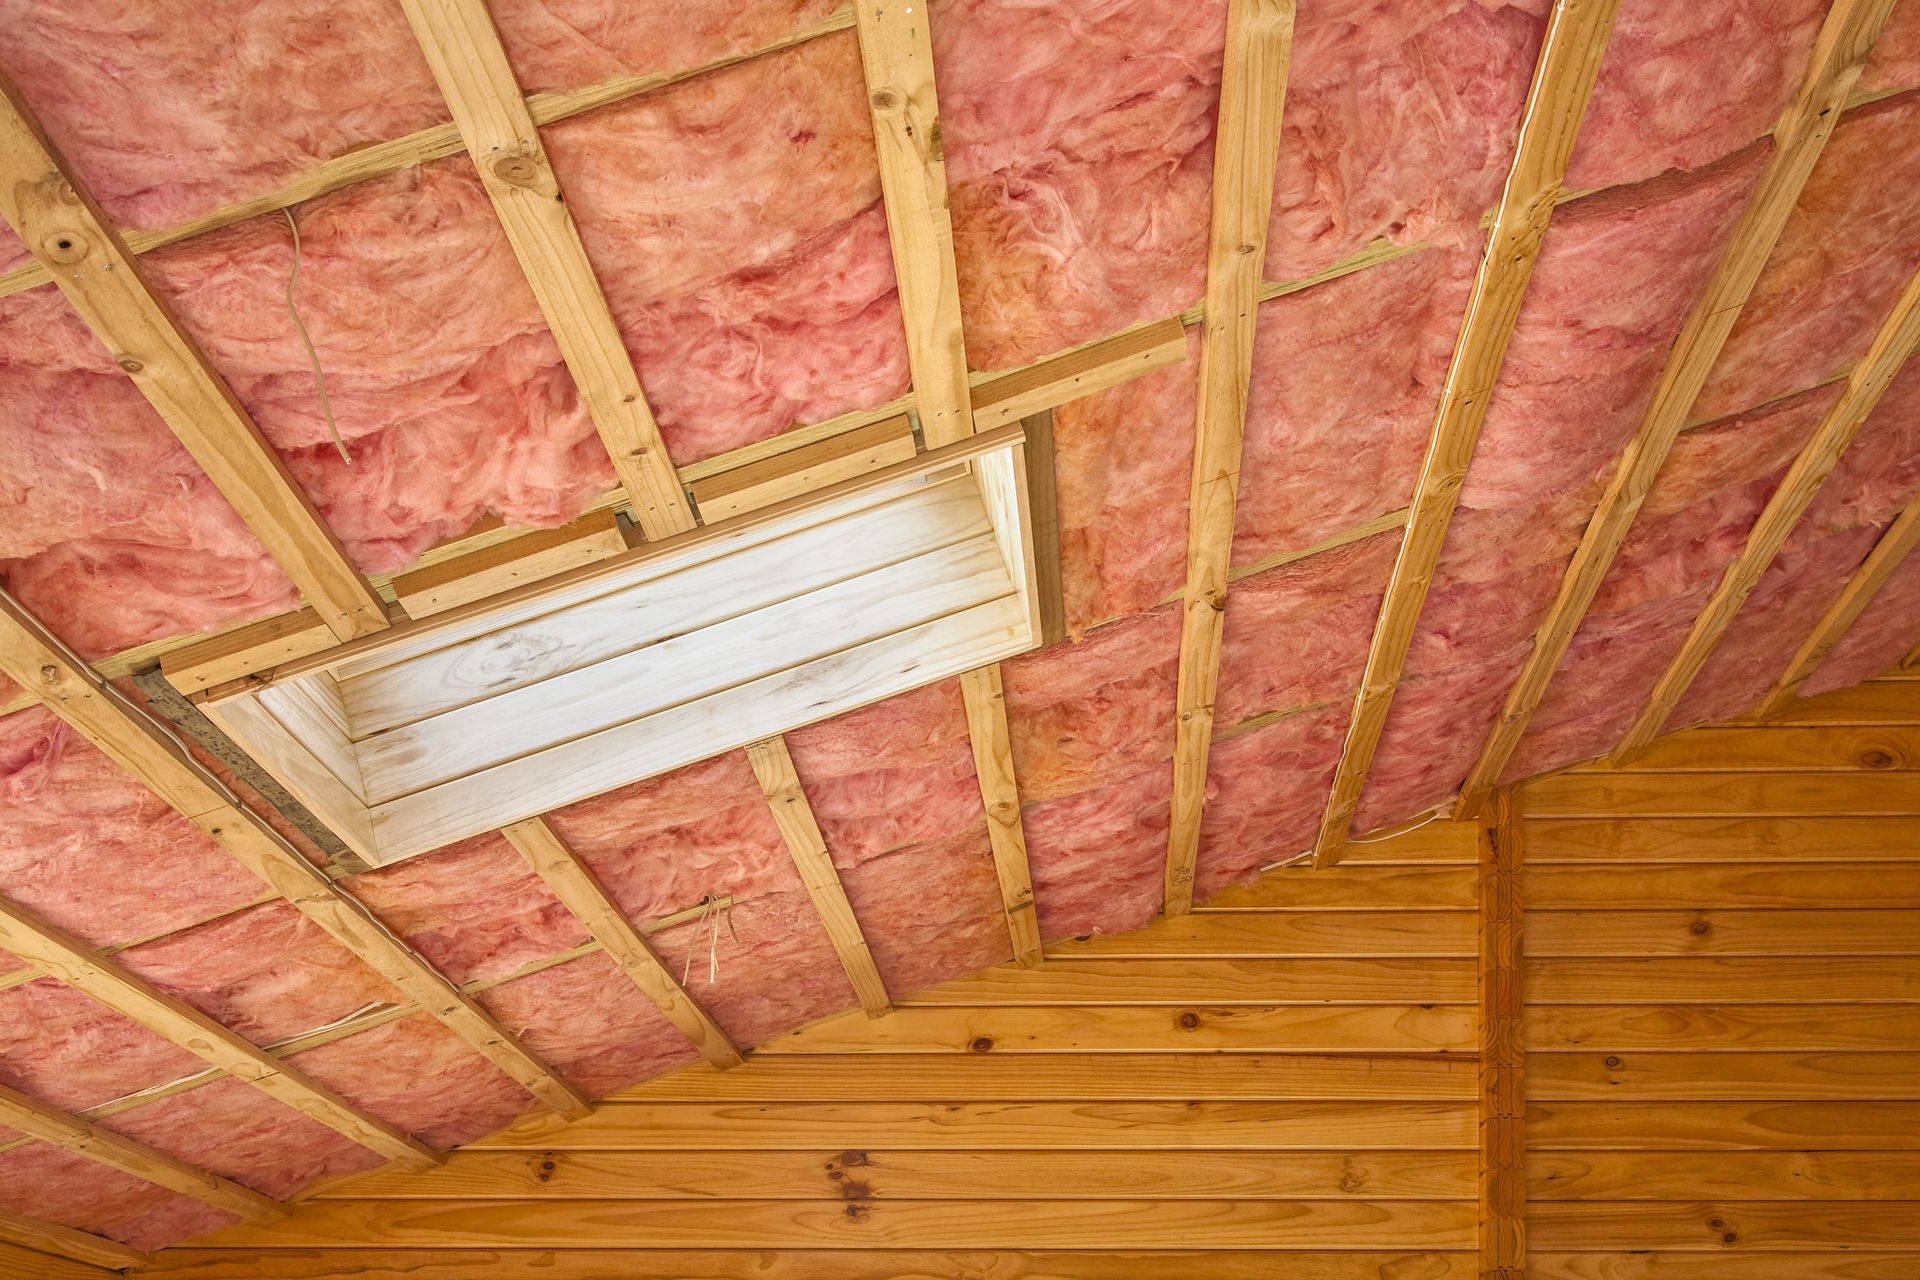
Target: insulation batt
[
  {"x": 777, "y": 967},
  {"x": 40, "y": 1181},
  {"x": 71, "y": 1052},
  {"x": 1099, "y": 858},
  {"x": 1895, "y": 63},
  {"x": 1850, "y": 246},
  {"x": 567, "y": 44},
  {"x": 1266, "y": 789},
  {"x": 1879, "y": 639},
  {"x": 587, "y": 1020},
  {"x": 932, "y": 912}
]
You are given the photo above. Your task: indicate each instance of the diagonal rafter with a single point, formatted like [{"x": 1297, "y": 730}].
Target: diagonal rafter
[
  {"x": 581, "y": 892},
  {"x": 1563, "y": 79},
  {"x": 61, "y": 224},
  {"x": 992, "y": 741},
  {"x": 1840, "y": 51},
  {"x": 132, "y": 739},
  {"x": 50, "y": 1238},
  {"x": 467, "y": 59},
  {"x": 103, "y": 1146},
  {"x": 1891, "y": 346}
]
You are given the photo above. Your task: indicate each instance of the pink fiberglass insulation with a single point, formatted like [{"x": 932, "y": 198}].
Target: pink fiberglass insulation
[
  {"x": 569, "y": 44},
  {"x": 71, "y": 1052},
  {"x": 1851, "y": 245},
  {"x": 777, "y": 969},
  {"x": 663, "y": 845},
  {"x": 587, "y": 1020},
  {"x": 897, "y": 773},
  {"x": 40, "y": 1181},
  {"x": 86, "y": 846},
  {"x": 1266, "y": 789},
  {"x": 1646, "y": 114},
  {"x": 932, "y": 912},
  {"x": 1079, "y": 151},
  {"x": 1880, "y": 637},
  {"x": 1692, "y": 525},
  {"x": 1099, "y": 858},
  {"x": 1082, "y": 713},
  {"x": 417, "y": 1075},
  {"x": 736, "y": 226},
  {"x": 269, "y": 973},
  {"x": 1399, "y": 123},
  {"x": 1346, "y": 380},
  {"x": 237, "y": 1131},
  {"x": 1122, "y": 463},
  {"x": 473, "y": 910},
  {"x": 1298, "y": 634},
  {"x": 1895, "y": 63}
]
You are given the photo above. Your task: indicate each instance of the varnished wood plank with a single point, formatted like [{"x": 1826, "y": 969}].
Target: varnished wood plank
[
  {"x": 1741, "y": 1266},
  {"x": 1569, "y": 61},
  {"x": 773, "y": 767},
  {"x": 1840, "y": 52},
  {"x": 1732, "y": 1224},
  {"x": 503, "y": 566},
  {"x": 1073, "y": 981},
  {"x": 464, "y": 52},
  {"x": 1892, "y": 344},
  {"x": 1724, "y": 794},
  {"x": 1723, "y": 933},
  {"x": 73, "y": 962},
  {"x": 1724, "y": 1126},
  {"x": 1692, "y": 840},
  {"x": 105, "y": 1147},
  {"x": 896, "y": 57},
  {"x": 837, "y": 1173},
  {"x": 1724, "y": 980},
  {"x": 1253, "y": 84},
  {"x": 582, "y": 894},
  {"x": 64, "y": 1243},
  {"x": 133, "y": 740},
  {"x": 1054, "y": 380},
  {"x": 1302, "y": 888},
  {"x": 69, "y": 236},
  {"x": 1586, "y": 1076},
  {"x": 1754, "y": 750},
  {"x": 765, "y": 481},
  {"x": 1230, "y": 934},
  {"x": 1503, "y": 1046},
  {"x": 1732, "y": 884},
  {"x": 1745, "y": 1175},
  {"x": 18, "y": 1263},
  {"x": 992, "y": 742},
  {"x": 1876, "y": 702},
  {"x": 1814, "y": 1027}
]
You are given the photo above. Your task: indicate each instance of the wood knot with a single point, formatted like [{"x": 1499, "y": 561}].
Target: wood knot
[
  {"x": 856, "y": 1191},
  {"x": 982, "y": 1044},
  {"x": 1612, "y": 1063},
  {"x": 130, "y": 364},
  {"x": 519, "y": 170},
  {"x": 66, "y": 247},
  {"x": 1878, "y": 760},
  {"x": 857, "y": 1212},
  {"x": 885, "y": 100},
  {"x": 1189, "y": 1019},
  {"x": 1699, "y": 928},
  {"x": 853, "y": 1159}
]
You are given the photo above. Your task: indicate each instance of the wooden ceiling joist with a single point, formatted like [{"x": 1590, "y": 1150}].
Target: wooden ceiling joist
[
  {"x": 74, "y": 963},
  {"x": 1253, "y": 88},
  {"x": 1570, "y": 54},
  {"x": 780, "y": 782},
  {"x": 581, "y": 892},
  {"x": 130, "y": 737},
  {"x": 1841, "y": 50},
  {"x": 64, "y": 1242},
  {"x": 103, "y": 1146},
  {"x": 59, "y": 221},
  {"x": 999, "y": 791},
  {"x": 467, "y": 59},
  {"x": 1892, "y": 344}
]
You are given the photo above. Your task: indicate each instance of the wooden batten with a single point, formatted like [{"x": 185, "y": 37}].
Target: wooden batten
[
  {"x": 53, "y": 213},
  {"x": 1050, "y": 382},
  {"x": 583, "y": 894},
  {"x": 130, "y": 737},
  {"x": 105, "y": 1147},
  {"x": 1563, "y": 79},
  {"x": 1043, "y": 502},
  {"x": 1253, "y": 87},
  {"x": 468, "y": 61},
  {"x": 1891, "y": 346},
  {"x": 1845, "y": 40},
  {"x": 780, "y": 782},
  {"x": 762, "y": 482},
  {"x": 50, "y": 1238},
  {"x": 530, "y": 557},
  {"x": 992, "y": 742}
]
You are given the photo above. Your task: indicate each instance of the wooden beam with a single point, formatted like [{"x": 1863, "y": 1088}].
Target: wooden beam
[
  {"x": 1043, "y": 504},
  {"x": 132, "y": 739},
  {"x": 896, "y": 54},
  {"x": 1845, "y": 40},
  {"x": 581, "y": 892},
  {"x": 765, "y": 481},
  {"x": 464, "y": 51},
  {"x": 1570, "y": 54},
  {"x": 505, "y": 565},
  {"x": 773, "y": 766},
  {"x": 1862, "y": 586},
  {"x": 53, "y": 213},
  {"x": 103, "y": 1146},
  {"x": 999, "y": 791},
  {"x": 1253, "y": 90},
  {"x": 1503, "y": 1104},
  {"x": 1097, "y": 366},
  {"x": 65, "y": 1242},
  {"x": 74, "y": 963},
  {"x": 1865, "y": 384}
]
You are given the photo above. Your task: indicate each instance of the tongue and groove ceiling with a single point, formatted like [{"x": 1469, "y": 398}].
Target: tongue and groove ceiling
[{"x": 1556, "y": 355}]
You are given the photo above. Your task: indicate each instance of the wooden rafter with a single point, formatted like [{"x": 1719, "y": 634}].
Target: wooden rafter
[
  {"x": 1891, "y": 346},
  {"x": 74, "y": 963},
  {"x": 131, "y": 738},
  {"x": 1253, "y": 90},
  {"x": 581, "y": 892},
  {"x": 773, "y": 766},
  {"x": 65, "y": 1242},
  {"x": 993, "y": 764},
  {"x": 1846, "y": 38},
  {"x": 1570, "y": 54},
  {"x": 66, "y": 231},
  {"x": 103, "y": 1146},
  {"x": 1503, "y": 1106},
  {"x": 466, "y": 56}
]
